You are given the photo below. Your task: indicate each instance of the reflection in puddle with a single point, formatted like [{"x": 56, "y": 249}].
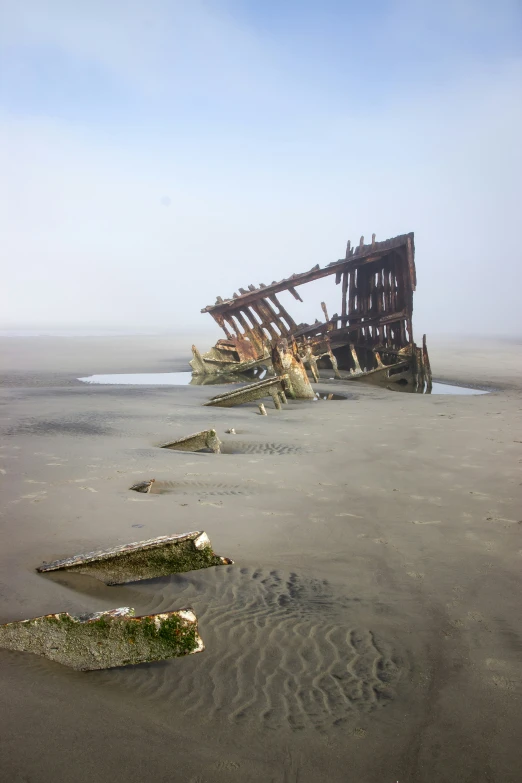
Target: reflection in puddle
[
  {"x": 329, "y": 396},
  {"x": 175, "y": 378},
  {"x": 142, "y": 378},
  {"x": 446, "y": 388},
  {"x": 160, "y": 379}
]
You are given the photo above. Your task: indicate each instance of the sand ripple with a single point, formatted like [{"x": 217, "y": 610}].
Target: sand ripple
[{"x": 282, "y": 650}]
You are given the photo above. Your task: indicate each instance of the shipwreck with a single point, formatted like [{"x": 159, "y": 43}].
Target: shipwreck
[{"x": 370, "y": 339}]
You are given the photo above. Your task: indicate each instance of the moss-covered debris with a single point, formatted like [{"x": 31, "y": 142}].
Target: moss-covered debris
[
  {"x": 105, "y": 639},
  {"x": 144, "y": 559}
]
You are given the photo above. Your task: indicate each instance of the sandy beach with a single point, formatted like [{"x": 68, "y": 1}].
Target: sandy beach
[{"x": 370, "y": 629}]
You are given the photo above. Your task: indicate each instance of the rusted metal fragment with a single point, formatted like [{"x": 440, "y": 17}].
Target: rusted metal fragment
[
  {"x": 286, "y": 360},
  {"x": 355, "y": 360},
  {"x": 143, "y": 559},
  {"x": 311, "y": 360},
  {"x": 206, "y": 439},
  {"x": 218, "y": 379},
  {"x": 429, "y": 378},
  {"x": 270, "y": 387},
  {"x": 229, "y": 357},
  {"x": 105, "y": 639},
  {"x": 396, "y": 376},
  {"x": 143, "y": 486}
]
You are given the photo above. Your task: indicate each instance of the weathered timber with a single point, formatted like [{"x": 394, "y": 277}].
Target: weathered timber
[
  {"x": 105, "y": 639},
  {"x": 143, "y": 559},
  {"x": 270, "y": 387},
  {"x": 286, "y": 360},
  {"x": 262, "y": 409},
  {"x": 206, "y": 439}
]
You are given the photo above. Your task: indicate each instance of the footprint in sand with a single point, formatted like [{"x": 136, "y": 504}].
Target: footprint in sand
[
  {"x": 430, "y": 522},
  {"x": 502, "y": 676},
  {"x": 507, "y": 522},
  {"x": 230, "y": 766}
]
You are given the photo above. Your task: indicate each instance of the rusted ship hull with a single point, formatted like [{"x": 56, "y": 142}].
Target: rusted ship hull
[{"x": 370, "y": 340}]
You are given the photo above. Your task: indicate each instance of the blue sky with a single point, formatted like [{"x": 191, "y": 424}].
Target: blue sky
[{"x": 207, "y": 145}]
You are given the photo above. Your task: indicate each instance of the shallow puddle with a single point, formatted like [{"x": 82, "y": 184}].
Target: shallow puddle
[
  {"x": 446, "y": 388},
  {"x": 170, "y": 379},
  {"x": 160, "y": 379},
  {"x": 185, "y": 378},
  {"x": 142, "y": 378}
]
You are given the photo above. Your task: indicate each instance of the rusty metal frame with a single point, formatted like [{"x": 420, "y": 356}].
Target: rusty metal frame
[{"x": 377, "y": 284}]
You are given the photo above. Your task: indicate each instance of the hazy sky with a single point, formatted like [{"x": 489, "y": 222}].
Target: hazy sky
[{"x": 156, "y": 153}]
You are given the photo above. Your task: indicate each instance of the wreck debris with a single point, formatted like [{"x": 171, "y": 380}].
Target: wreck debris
[
  {"x": 286, "y": 361},
  {"x": 143, "y": 559},
  {"x": 143, "y": 486},
  {"x": 221, "y": 360},
  {"x": 262, "y": 409},
  {"x": 371, "y": 339},
  {"x": 206, "y": 439},
  {"x": 270, "y": 387},
  {"x": 427, "y": 366},
  {"x": 309, "y": 358},
  {"x": 105, "y": 639}
]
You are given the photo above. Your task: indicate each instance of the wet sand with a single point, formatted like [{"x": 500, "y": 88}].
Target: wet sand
[{"x": 370, "y": 629}]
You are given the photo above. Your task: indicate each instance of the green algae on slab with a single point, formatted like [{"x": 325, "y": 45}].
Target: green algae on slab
[
  {"x": 105, "y": 639},
  {"x": 143, "y": 559}
]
